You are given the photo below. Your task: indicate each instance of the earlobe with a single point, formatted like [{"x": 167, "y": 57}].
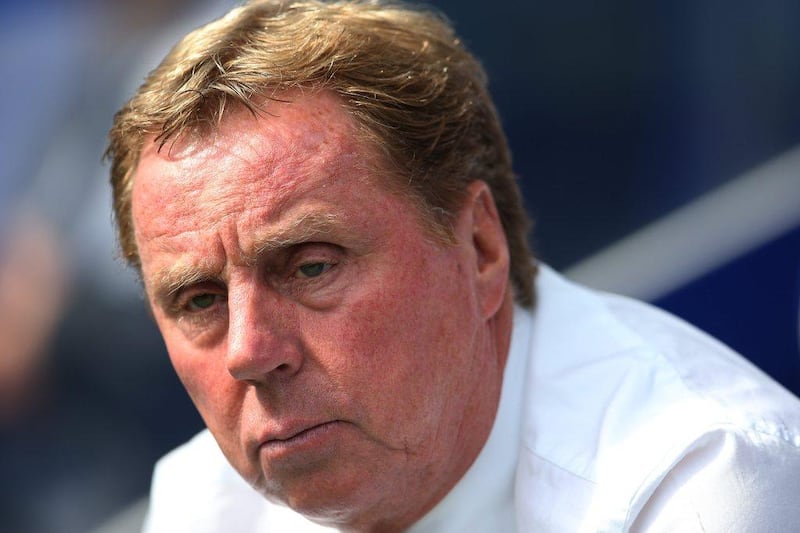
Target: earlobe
[{"x": 491, "y": 249}]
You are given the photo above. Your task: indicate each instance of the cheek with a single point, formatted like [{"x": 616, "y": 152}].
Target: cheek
[
  {"x": 403, "y": 345},
  {"x": 212, "y": 389}
]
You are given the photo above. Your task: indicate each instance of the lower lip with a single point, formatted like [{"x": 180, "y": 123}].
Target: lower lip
[{"x": 312, "y": 438}]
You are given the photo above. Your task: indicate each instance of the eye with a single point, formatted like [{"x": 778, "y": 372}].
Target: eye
[
  {"x": 202, "y": 301},
  {"x": 312, "y": 270}
]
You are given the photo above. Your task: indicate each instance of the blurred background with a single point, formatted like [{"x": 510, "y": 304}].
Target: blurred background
[{"x": 655, "y": 143}]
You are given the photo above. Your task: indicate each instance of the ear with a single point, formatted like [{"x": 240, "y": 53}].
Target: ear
[{"x": 488, "y": 240}]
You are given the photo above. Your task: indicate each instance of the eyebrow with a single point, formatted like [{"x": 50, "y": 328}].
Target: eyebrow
[
  {"x": 171, "y": 280},
  {"x": 308, "y": 227},
  {"x": 303, "y": 229}
]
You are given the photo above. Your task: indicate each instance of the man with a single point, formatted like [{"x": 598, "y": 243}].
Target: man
[{"x": 320, "y": 202}]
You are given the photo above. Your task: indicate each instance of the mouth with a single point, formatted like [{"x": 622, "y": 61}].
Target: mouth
[{"x": 303, "y": 438}]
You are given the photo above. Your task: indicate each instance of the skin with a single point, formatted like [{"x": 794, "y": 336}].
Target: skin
[{"x": 347, "y": 364}]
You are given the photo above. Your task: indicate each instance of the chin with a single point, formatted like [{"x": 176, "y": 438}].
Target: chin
[{"x": 345, "y": 501}]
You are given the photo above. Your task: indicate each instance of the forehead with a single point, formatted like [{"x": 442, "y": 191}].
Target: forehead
[
  {"x": 290, "y": 146},
  {"x": 303, "y": 132}
]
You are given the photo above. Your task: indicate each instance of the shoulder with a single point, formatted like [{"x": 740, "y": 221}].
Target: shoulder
[
  {"x": 641, "y": 360},
  {"x": 739, "y": 471},
  {"x": 729, "y": 480},
  {"x": 623, "y": 395}
]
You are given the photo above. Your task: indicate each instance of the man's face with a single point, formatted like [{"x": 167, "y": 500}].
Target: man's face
[{"x": 345, "y": 363}]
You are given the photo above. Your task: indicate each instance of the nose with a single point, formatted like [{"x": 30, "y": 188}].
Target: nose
[{"x": 263, "y": 340}]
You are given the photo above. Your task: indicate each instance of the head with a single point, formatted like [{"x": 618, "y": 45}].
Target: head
[
  {"x": 402, "y": 74},
  {"x": 320, "y": 202}
]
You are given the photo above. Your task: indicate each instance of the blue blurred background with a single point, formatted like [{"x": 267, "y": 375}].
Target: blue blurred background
[{"x": 679, "y": 118}]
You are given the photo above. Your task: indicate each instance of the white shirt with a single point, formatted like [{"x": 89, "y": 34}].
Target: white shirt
[{"x": 614, "y": 417}]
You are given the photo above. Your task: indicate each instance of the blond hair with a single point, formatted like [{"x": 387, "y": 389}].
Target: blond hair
[{"x": 401, "y": 72}]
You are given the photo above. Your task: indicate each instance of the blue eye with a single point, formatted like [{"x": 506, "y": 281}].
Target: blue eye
[
  {"x": 312, "y": 270},
  {"x": 203, "y": 301}
]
